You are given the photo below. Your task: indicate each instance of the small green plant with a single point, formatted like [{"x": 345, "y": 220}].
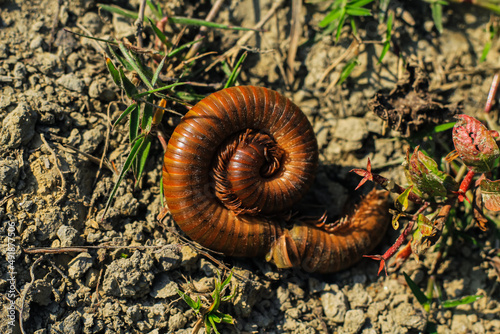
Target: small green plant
[
  {"x": 208, "y": 312},
  {"x": 342, "y": 11},
  {"x": 437, "y": 193},
  {"x": 148, "y": 93},
  {"x": 426, "y": 298}
]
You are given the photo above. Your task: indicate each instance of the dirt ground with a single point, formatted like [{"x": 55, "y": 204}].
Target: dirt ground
[{"x": 56, "y": 93}]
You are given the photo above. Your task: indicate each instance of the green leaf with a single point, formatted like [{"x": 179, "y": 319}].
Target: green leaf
[
  {"x": 402, "y": 201},
  {"x": 227, "y": 319},
  {"x": 461, "y": 301},
  {"x": 421, "y": 298},
  {"x": 357, "y": 11},
  {"x": 120, "y": 11},
  {"x": 156, "y": 10},
  {"x": 208, "y": 325},
  {"x": 360, "y": 3},
  {"x": 425, "y": 175},
  {"x": 142, "y": 156},
  {"x": 127, "y": 85},
  {"x": 147, "y": 117},
  {"x": 203, "y": 23},
  {"x": 443, "y": 127},
  {"x": 124, "y": 114},
  {"x": 121, "y": 59},
  {"x": 115, "y": 74},
  {"x": 137, "y": 67},
  {"x": 437, "y": 16},
  {"x": 332, "y": 16},
  {"x": 386, "y": 47},
  {"x": 160, "y": 34},
  {"x": 182, "y": 47},
  {"x": 176, "y": 19},
  {"x": 195, "y": 305},
  {"x": 423, "y": 231},
  {"x": 341, "y": 24},
  {"x": 134, "y": 123},
  {"x": 158, "y": 71},
  {"x": 126, "y": 166},
  {"x": 347, "y": 70},
  {"x": 236, "y": 71}
]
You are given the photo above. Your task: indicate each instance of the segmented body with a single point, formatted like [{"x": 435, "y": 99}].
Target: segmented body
[{"x": 240, "y": 158}]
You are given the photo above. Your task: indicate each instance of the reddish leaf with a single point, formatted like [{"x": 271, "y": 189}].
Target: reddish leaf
[
  {"x": 424, "y": 174},
  {"x": 490, "y": 192},
  {"x": 424, "y": 230},
  {"x": 475, "y": 144},
  {"x": 366, "y": 174}
]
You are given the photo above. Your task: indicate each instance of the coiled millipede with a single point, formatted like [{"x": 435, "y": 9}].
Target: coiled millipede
[{"x": 237, "y": 163}]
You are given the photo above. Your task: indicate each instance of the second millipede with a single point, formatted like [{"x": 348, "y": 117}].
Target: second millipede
[{"x": 238, "y": 161}]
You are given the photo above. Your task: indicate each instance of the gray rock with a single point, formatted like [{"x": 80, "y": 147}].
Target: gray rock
[
  {"x": 351, "y": 129},
  {"x": 47, "y": 222},
  {"x": 334, "y": 305},
  {"x": 72, "y": 324},
  {"x": 164, "y": 287},
  {"x": 358, "y": 297},
  {"x": 354, "y": 320},
  {"x": 176, "y": 321},
  {"x": 67, "y": 235},
  {"x": 92, "y": 138},
  {"x": 92, "y": 22},
  {"x": 20, "y": 71},
  {"x": 71, "y": 82},
  {"x": 130, "y": 277},
  {"x": 79, "y": 265},
  {"x": 168, "y": 258},
  {"x": 9, "y": 172},
  {"x": 18, "y": 128},
  {"x": 36, "y": 42},
  {"x": 405, "y": 315}
]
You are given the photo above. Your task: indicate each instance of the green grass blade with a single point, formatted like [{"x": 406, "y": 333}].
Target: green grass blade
[
  {"x": 122, "y": 60},
  {"x": 203, "y": 23},
  {"x": 127, "y": 85},
  {"x": 158, "y": 71},
  {"x": 155, "y": 10},
  {"x": 135, "y": 65},
  {"x": 387, "y": 46},
  {"x": 443, "y": 127},
  {"x": 236, "y": 71},
  {"x": 120, "y": 11},
  {"x": 92, "y": 37},
  {"x": 160, "y": 34},
  {"x": 461, "y": 301},
  {"x": 437, "y": 16},
  {"x": 360, "y": 3},
  {"x": 134, "y": 123},
  {"x": 332, "y": 16},
  {"x": 142, "y": 157},
  {"x": 126, "y": 166},
  {"x": 195, "y": 305},
  {"x": 346, "y": 71},
  {"x": 147, "y": 117},
  {"x": 156, "y": 90},
  {"x": 115, "y": 74},
  {"x": 124, "y": 114},
  {"x": 341, "y": 24},
  {"x": 182, "y": 47},
  {"x": 421, "y": 298},
  {"x": 357, "y": 11}
]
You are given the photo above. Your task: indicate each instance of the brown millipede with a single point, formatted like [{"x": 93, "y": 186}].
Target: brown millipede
[{"x": 237, "y": 162}]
